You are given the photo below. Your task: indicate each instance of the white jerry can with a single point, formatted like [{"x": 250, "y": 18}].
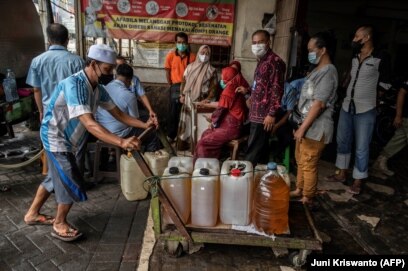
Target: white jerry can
[
  {"x": 133, "y": 173},
  {"x": 157, "y": 161}
]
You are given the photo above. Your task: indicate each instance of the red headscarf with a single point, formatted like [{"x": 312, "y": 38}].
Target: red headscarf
[{"x": 234, "y": 102}]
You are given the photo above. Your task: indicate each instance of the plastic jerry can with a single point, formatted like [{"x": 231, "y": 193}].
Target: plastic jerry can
[
  {"x": 284, "y": 174},
  {"x": 271, "y": 203},
  {"x": 261, "y": 170},
  {"x": 210, "y": 163},
  {"x": 132, "y": 177},
  {"x": 236, "y": 189},
  {"x": 176, "y": 183},
  {"x": 181, "y": 161},
  {"x": 204, "y": 197},
  {"x": 157, "y": 161}
]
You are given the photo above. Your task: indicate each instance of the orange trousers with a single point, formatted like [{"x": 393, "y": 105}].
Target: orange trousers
[{"x": 307, "y": 154}]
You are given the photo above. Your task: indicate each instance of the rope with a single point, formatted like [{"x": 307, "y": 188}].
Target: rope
[
  {"x": 22, "y": 164},
  {"x": 152, "y": 182}
]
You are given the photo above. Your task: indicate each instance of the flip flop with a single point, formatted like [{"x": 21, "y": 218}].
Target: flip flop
[
  {"x": 67, "y": 236},
  {"x": 354, "y": 189},
  {"x": 4, "y": 188},
  {"x": 42, "y": 220},
  {"x": 332, "y": 178}
]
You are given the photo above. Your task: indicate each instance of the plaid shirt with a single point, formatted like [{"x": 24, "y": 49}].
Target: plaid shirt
[{"x": 267, "y": 89}]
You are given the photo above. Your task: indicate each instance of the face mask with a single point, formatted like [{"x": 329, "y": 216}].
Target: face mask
[
  {"x": 259, "y": 50},
  {"x": 312, "y": 57},
  {"x": 204, "y": 58},
  {"x": 356, "y": 46},
  {"x": 222, "y": 84},
  {"x": 104, "y": 79},
  {"x": 181, "y": 47}
]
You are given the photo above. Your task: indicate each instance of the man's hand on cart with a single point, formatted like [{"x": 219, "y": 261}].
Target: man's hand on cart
[
  {"x": 131, "y": 143},
  {"x": 152, "y": 122}
]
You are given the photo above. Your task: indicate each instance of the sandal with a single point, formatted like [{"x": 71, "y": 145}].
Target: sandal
[
  {"x": 333, "y": 178},
  {"x": 4, "y": 188},
  {"x": 69, "y": 235},
  {"x": 354, "y": 189},
  {"x": 41, "y": 220}
]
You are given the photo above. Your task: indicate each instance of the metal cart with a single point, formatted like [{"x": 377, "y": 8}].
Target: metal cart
[{"x": 304, "y": 237}]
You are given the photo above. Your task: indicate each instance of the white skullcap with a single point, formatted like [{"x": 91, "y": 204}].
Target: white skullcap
[{"x": 102, "y": 53}]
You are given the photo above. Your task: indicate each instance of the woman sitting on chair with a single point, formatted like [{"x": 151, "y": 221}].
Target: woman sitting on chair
[
  {"x": 227, "y": 119},
  {"x": 200, "y": 85}
]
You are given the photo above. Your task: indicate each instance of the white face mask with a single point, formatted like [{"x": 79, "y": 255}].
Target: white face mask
[
  {"x": 203, "y": 58},
  {"x": 259, "y": 50}
]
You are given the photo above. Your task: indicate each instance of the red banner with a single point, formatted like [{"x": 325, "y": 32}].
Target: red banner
[{"x": 205, "y": 21}]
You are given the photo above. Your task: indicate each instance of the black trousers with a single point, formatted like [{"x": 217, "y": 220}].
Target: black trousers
[
  {"x": 258, "y": 144},
  {"x": 174, "y": 111}
]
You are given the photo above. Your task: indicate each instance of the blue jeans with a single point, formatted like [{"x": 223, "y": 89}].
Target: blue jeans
[{"x": 358, "y": 126}]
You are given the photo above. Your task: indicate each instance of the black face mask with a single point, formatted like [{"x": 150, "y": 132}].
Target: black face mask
[
  {"x": 356, "y": 46},
  {"x": 105, "y": 79}
]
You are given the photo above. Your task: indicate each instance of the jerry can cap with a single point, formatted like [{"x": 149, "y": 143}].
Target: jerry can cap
[
  {"x": 236, "y": 172},
  {"x": 271, "y": 166},
  {"x": 174, "y": 170},
  {"x": 204, "y": 171}
]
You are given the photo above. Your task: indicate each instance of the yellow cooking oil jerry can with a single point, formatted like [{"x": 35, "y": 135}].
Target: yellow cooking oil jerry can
[{"x": 133, "y": 172}]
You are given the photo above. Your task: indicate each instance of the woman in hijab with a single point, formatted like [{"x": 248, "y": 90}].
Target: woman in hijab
[
  {"x": 200, "y": 85},
  {"x": 227, "y": 119}
]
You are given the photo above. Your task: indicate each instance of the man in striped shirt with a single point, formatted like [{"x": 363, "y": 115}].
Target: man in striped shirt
[
  {"x": 69, "y": 115},
  {"x": 358, "y": 112}
]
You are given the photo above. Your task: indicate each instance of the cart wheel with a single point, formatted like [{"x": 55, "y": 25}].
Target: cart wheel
[
  {"x": 173, "y": 248},
  {"x": 298, "y": 259}
]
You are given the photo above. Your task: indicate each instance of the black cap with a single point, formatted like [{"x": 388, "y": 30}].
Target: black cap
[
  {"x": 174, "y": 170},
  {"x": 204, "y": 171}
]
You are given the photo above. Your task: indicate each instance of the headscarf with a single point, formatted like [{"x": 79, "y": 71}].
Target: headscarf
[
  {"x": 234, "y": 102},
  {"x": 197, "y": 74}
]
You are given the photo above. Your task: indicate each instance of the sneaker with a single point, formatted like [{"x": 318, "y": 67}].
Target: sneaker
[{"x": 381, "y": 165}]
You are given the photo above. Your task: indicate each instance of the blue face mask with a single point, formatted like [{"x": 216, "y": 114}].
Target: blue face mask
[
  {"x": 181, "y": 47},
  {"x": 312, "y": 56},
  {"x": 222, "y": 84}
]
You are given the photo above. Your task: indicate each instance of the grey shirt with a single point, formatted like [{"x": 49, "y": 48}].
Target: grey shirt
[{"x": 320, "y": 85}]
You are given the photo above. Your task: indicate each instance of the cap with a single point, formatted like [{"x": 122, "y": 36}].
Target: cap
[
  {"x": 271, "y": 166},
  {"x": 174, "y": 170},
  {"x": 236, "y": 172},
  {"x": 102, "y": 53},
  {"x": 204, "y": 171}
]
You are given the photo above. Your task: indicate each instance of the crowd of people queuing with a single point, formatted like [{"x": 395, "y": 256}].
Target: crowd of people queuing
[{"x": 102, "y": 96}]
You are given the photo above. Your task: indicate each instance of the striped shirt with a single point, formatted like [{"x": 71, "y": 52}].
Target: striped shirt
[
  {"x": 365, "y": 77},
  {"x": 61, "y": 130}
]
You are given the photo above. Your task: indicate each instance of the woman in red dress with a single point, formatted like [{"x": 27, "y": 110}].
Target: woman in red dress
[{"x": 227, "y": 119}]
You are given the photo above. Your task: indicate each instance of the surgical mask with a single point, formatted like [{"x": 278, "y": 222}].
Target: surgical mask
[
  {"x": 259, "y": 50},
  {"x": 222, "y": 84},
  {"x": 356, "y": 46},
  {"x": 204, "y": 58},
  {"x": 181, "y": 47},
  {"x": 104, "y": 79},
  {"x": 312, "y": 57}
]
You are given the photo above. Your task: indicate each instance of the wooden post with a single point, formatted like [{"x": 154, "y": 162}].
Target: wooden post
[{"x": 78, "y": 29}]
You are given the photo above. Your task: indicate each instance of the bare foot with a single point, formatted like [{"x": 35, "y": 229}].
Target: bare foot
[
  {"x": 296, "y": 193},
  {"x": 306, "y": 200}
]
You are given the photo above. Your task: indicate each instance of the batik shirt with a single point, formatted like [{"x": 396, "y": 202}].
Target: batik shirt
[{"x": 267, "y": 88}]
